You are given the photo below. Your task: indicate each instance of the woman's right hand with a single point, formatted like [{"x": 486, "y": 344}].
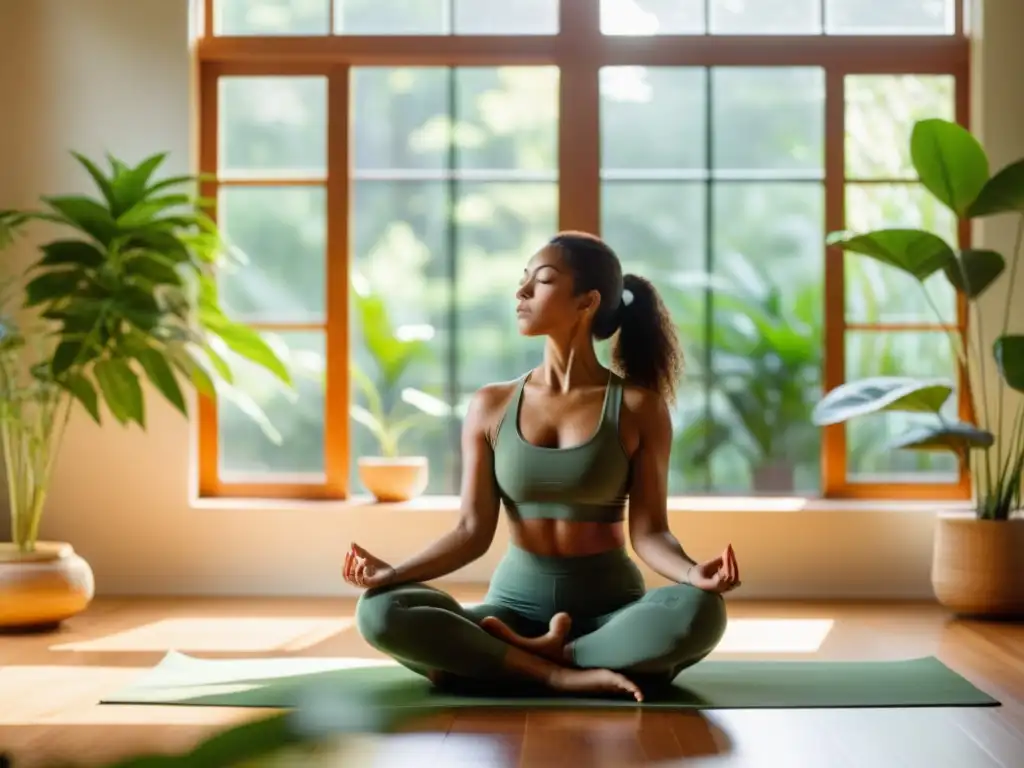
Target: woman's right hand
[
  {"x": 720, "y": 574},
  {"x": 361, "y": 569}
]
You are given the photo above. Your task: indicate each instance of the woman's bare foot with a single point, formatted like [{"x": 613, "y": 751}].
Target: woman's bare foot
[
  {"x": 550, "y": 645},
  {"x": 593, "y": 681}
]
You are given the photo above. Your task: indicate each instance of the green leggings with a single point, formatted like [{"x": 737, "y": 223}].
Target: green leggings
[{"x": 616, "y": 623}]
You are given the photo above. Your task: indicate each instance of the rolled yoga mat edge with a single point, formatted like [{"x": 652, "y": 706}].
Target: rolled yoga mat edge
[{"x": 276, "y": 682}]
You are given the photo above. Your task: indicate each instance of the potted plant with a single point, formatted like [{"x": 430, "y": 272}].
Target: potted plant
[
  {"x": 765, "y": 355},
  {"x": 390, "y": 410},
  {"x": 124, "y": 292},
  {"x": 978, "y": 559}
]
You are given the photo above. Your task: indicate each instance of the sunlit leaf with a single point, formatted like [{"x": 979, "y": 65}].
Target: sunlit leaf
[
  {"x": 881, "y": 393},
  {"x": 949, "y": 161}
]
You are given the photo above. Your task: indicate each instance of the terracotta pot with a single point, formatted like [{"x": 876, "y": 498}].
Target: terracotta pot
[
  {"x": 394, "y": 479},
  {"x": 978, "y": 566},
  {"x": 42, "y": 588}
]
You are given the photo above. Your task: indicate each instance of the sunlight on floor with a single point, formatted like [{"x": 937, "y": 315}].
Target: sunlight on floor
[
  {"x": 212, "y": 635},
  {"x": 775, "y": 635}
]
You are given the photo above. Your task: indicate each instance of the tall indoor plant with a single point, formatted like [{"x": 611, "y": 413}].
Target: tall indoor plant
[
  {"x": 124, "y": 291},
  {"x": 978, "y": 562}
]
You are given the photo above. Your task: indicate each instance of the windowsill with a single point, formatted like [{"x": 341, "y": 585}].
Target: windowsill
[{"x": 684, "y": 504}]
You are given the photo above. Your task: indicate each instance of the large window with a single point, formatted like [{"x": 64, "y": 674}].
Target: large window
[{"x": 388, "y": 166}]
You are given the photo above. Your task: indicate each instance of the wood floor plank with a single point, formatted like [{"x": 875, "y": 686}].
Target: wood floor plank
[{"x": 50, "y": 685}]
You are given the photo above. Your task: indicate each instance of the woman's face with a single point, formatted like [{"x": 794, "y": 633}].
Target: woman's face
[{"x": 545, "y": 301}]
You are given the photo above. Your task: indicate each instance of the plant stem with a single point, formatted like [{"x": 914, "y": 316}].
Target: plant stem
[{"x": 1016, "y": 257}]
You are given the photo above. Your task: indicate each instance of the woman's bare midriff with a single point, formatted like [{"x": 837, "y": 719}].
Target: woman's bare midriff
[{"x": 562, "y": 538}]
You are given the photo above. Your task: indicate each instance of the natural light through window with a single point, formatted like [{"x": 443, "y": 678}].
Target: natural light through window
[
  {"x": 207, "y": 634},
  {"x": 388, "y": 174},
  {"x": 766, "y": 635}
]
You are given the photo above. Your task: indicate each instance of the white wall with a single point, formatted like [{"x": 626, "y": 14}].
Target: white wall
[{"x": 95, "y": 75}]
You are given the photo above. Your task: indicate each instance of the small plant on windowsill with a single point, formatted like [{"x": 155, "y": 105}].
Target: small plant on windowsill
[
  {"x": 125, "y": 291},
  {"x": 390, "y": 411},
  {"x": 978, "y": 563}
]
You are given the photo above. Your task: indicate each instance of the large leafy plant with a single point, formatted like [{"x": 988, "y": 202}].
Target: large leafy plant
[
  {"x": 125, "y": 292},
  {"x": 765, "y": 351},
  {"x": 954, "y": 168}
]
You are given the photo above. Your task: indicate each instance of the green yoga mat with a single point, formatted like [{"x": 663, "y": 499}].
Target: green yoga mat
[{"x": 711, "y": 684}]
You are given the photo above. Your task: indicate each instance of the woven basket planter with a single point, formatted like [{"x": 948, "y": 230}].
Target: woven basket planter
[{"x": 978, "y": 566}]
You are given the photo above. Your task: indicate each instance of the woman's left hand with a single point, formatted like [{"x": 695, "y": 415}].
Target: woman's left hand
[{"x": 720, "y": 574}]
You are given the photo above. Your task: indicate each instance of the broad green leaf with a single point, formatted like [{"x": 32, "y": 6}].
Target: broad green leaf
[
  {"x": 956, "y": 436},
  {"x": 392, "y": 355},
  {"x": 192, "y": 370},
  {"x": 49, "y": 286},
  {"x": 76, "y": 252},
  {"x": 83, "y": 391},
  {"x": 1003, "y": 193},
  {"x": 160, "y": 373},
  {"x": 980, "y": 267},
  {"x": 86, "y": 215},
  {"x": 154, "y": 267},
  {"x": 68, "y": 352},
  {"x": 914, "y": 251},
  {"x": 1009, "y": 354},
  {"x": 247, "y": 343},
  {"x": 173, "y": 181},
  {"x": 121, "y": 390},
  {"x": 949, "y": 161},
  {"x": 130, "y": 183},
  {"x": 881, "y": 393}
]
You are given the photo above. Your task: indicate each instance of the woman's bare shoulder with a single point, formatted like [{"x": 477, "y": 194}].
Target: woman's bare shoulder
[{"x": 489, "y": 403}]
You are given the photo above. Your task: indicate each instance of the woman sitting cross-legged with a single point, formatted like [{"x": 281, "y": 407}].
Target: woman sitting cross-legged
[{"x": 563, "y": 449}]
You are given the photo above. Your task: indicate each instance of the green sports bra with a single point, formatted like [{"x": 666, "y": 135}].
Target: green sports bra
[{"x": 583, "y": 483}]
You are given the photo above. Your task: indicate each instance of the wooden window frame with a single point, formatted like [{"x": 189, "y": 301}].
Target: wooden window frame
[{"x": 579, "y": 50}]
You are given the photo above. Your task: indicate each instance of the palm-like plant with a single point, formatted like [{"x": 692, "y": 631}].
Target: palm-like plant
[{"x": 126, "y": 292}]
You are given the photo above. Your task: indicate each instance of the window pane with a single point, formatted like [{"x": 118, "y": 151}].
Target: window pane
[
  {"x": 282, "y": 232},
  {"x": 690, "y": 460},
  {"x": 767, "y": 335},
  {"x": 876, "y": 292},
  {"x": 271, "y": 17},
  {"x": 499, "y": 227},
  {"x": 658, "y": 229},
  {"x": 399, "y": 228},
  {"x": 506, "y": 17},
  {"x": 297, "y": 416},
  {"x": 652, "y": 17},
  {"x": 765, "y": 17},
  {"x": 925, "y": 355},
  {"x": 400, "y": 118},
  {"x": 433, "y": 17},
  {"x": 653, "y": 119},
  {"x": 895, "y": 17},
  {"x": 768, "y": 119},
  {"x": 273, "y": 126},
  {"x": 880, "y": 114}
]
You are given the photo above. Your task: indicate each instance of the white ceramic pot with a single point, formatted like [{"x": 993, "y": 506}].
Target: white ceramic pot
[{"x": 394, "y": 479}]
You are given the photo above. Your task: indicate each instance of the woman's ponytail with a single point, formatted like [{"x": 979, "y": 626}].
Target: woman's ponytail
[{"x": 646, "y": 350}]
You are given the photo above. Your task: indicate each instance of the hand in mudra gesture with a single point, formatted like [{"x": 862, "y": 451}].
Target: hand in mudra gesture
[
  {"x": 361, "y": 569},
  {"x": 720, "y": 574}
]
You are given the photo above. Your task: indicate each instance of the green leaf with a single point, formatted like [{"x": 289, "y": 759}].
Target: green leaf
[
  {"x": 99, "y": 177},
  {"x": 130, "y": 183},
  {"x": 1009, "y": 355},
  {"x": 247, "y": 343},
  {"x": 160, "y": 373},
  {"x": 392, "y": 354},
  {"x": 1003, "y": 193},
  {"x": 949, "y": 161},
  {"x": 914, "y": 251},
  {"x": 86, "y": 215},
  {"x": 49, "y": 286},
  {"x": 154, "y": 267},
  {"x": 84, "y": 392},
  {"x": 193, "y": 371},
  {"x": 881, "y": 393},
  {"x": 66, "y": 355},
  {"x": 957, "y": 437},
  {"x": 75, "y": 252},
  {"x": 121, "y": 390},
  {"x": 980, "y": 267}
]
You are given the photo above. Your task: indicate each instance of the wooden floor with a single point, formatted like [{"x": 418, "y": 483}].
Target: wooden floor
[{"x": 50, "y": 685}]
